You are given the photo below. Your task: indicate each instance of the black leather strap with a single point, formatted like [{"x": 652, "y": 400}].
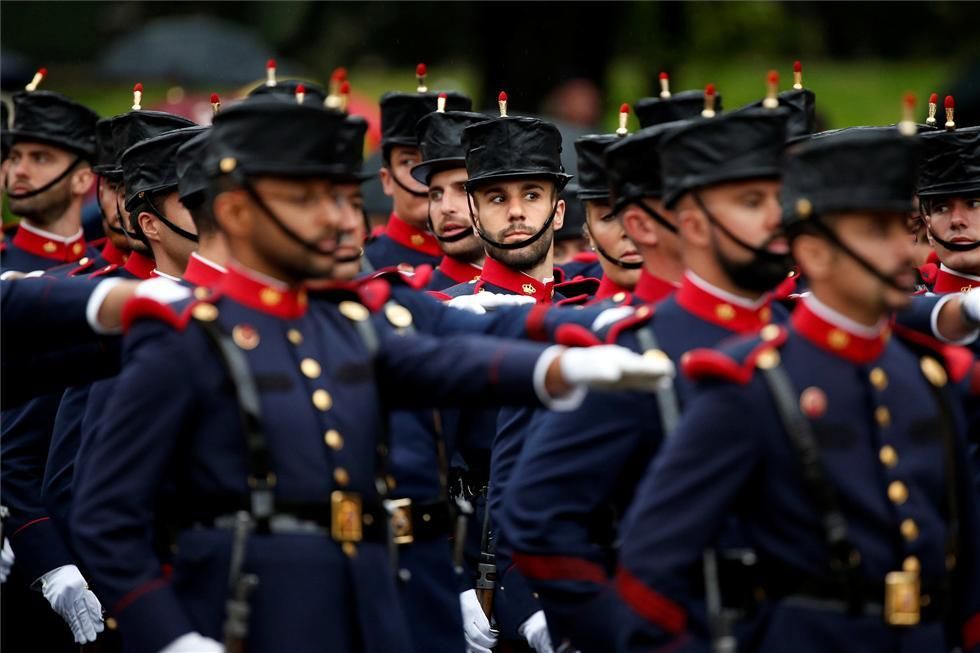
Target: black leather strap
[{"x": 667, "y": 403}]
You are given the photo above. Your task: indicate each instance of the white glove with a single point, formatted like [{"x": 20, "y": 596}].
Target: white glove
[
  {"x": 476, "y": 626},
  {"x": 163, "y": 290},
  {"x": 70, "y": 597},
  {"x": 193, "y": 643},
  {"x": 611, "y": 367},
  {"x": 479, "y": 302},
  {"x": 535, "y": 631},
  {"x": 6, "y": 560}
]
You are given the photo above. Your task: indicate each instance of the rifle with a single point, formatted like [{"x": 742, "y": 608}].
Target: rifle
[{"x": 240, "y": 586}]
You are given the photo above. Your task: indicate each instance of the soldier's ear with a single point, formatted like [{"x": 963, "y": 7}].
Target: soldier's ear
[
  {"x": 233, "y": 213},
  {"x": 149, "y": 225},
  {"x": 639, "y": 228},
  {"x": 693, "y": 226},
  {"x": 82, "y": 180},
  {"x": 387, "y": 183},
  {"x": 559, "y": 215},
  {"x": 814, "y": 255}
]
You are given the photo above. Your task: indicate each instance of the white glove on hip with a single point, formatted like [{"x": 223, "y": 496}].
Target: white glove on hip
[
  {"x": 611, "y": 367},
  {"x": 6, "y": 560},
  {"x": 193, "y": 643},
  {"x": 480, "y": 302},
  {"x": 535, "y": 631},
  {"x": 70, "y": 597},
  {"x": 476, "y": 627}
]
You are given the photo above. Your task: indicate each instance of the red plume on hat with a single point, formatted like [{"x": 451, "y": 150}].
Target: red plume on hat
[
  {"x": 950, "y": 104},
  {"x": 270, "y": 72},
  {"x": 502, "y": 103},
  {"x": 797, "y": 76},
  {"x": 933, "y": 105},
  {"x": 36, "y": 80},
  {"x": 664, "y": 85},
  {"x": 137, "y": 96},
  {"x": 420, "y": 72},
  {"x": 624, "y": 114},
  {"x": 709, "y": 102}
]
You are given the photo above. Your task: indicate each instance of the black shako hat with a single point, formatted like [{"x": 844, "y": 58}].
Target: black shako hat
[
  {"x": 286, "y": 90},
  {"x": 349, "y": 151},
  {"x": 743, "y": 144},
  {"x": 592, "y": 179},
  {"x": 150, "y": 166},
  {"x": 856, "y": 169},
  {"x": 633, "y": 164},
  {"x": 513, "y": 148},
  {"x": 401, "y": 112},
  {"x": 950, "y": 163},
  {"x": 679, "y": 106},
  {"x": 801, "y": 107},
  {"x": 130, "y": 128},
  {"x": 54, "y": 119},
  {"x": 439, "y": 137},
  {"x": 4, "y": 130},
  {"x": 192, "y": 182},
  {"x": 105, "y": 153},
  {"x": 274, "y": 138}
]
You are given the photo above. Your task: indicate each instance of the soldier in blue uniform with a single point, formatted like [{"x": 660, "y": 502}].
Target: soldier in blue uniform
[
  {"x": 579, "y": 470},
  {"x": 206, "y": 265},
  {"x": 866, "y": 529},
  {"x": 406, "y": 239},
  {"x": 620, "y": 262},
  {"x": 318, "y": 546},
  {"x": 48, "y": 173},
  {"x": 949, "y": 201},
  {"x": 443, "y": 171}
]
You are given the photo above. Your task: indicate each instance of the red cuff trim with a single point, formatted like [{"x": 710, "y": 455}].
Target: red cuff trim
[
  {"x": 535, "y": 323},
  {"x": 649, "y": 604},
  {"x": 30, "y": 523},
  {"x": 575, "y": 335},
  {"x": 559, "y": 568},
  {"x": 971, "y": 632},
  {"x": 132, "y": 597}
]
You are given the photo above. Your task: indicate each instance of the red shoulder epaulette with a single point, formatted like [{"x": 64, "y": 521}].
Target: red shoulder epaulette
[
  {"x": 82, "y": 268},
  {"x": 374, "y": 293},
  {"x": 957, "y": 360},
  {"x": 415, "y": 278},
  {"x": 641, "y": 315},
  {"x": 142, "y": 308},
  {"x": 705, "y": 363}
]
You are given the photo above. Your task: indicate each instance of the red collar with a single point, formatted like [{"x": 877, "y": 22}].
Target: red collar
[
  {"x": 859, "y": 349},
  {"x": 245, "y": 288},
  {"x": 202, "y": 272},
  {"x": 457, "y": 270},
  {"x": 652, "y": 289},
  {"x": 608, "y": 288},
  {"x": 411, "y": 237},
  {"x": 586, "y": 257},
  {"x": 34, "y": 241},
  {"x": 948, "y": 281},
  {"x": 112, "y": 254},
  {"x": 140, "y": 265},
  {"x": 498, "y": 274},
  {"x": 718, "y": 310}
]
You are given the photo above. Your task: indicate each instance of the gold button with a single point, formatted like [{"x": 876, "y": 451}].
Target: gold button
[
  {"x": 769, "y": 332},
  {"x": 270, "y": 297},
  {"x": 205, "y": 312},
  {"x": 888, "y": 456},
  {"x": 417, "y": 240},
  {"x": 398, "y": 315},
  {"x": 804, "y": 208},
  {"x": 390, "y": 481},
  {"x": 353, "y": 311},
  {"x": 111, "y": 623},
  {"x": 83, "y": 260},
  {"x": 245, "y": 336},
  {"x": 619, "y": 297},
  {"x": 879, "y": 379},
  {"x": 322, "y": 399},
  {"x": 349, "y": 549},
  {"x": 642, "y": 312},
  {"x": 227, "y": 164},
  {"x": 883, "y": 416},
  {"x": 898, "y": 493},
  {"x": 310, "y": 368},
  {"x": 911, "y": 563},
  {"x": 725, "y": 312},
  {"x": 49, "y": 247},
  {"x": 933, "y": 371},
  {"x": 765, "y": 314},
  {"x": 333, "y": 439},
  {"x": 341, "y": 476},
  {"x": 201, "y": 292},
  {"x": 367, "y": 518},
  {"x": 77, "y": 249},
  {"x": 768, "y": 359},
  {"x": 910, "y": 530},
  {"x": 838, "y": 339},
  {"x": 294, "y": 336}
]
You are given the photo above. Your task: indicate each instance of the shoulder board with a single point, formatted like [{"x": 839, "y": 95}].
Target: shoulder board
[
  {"x": 177, "y": 314},
  {"x": 734, "y": 360},
  {"x": 371, "y": 291},
  {"x": 642, "y": 315},
  {"x": 416, "y": 278},
  {"x": 374, "y": 293},
  {"x": 104, "y": 270},
  {"x": 438, "y": 294},
  {"x": 574, "y": 301},
  {"x": 82, "y": 269},
  {"x": 958, "y": 361}
]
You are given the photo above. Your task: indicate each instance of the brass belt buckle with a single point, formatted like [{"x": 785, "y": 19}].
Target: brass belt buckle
[
  {"x": 902, "y": 598},
  {"x": 401, "y": 521},
  {"x": 345, "y": 517}
]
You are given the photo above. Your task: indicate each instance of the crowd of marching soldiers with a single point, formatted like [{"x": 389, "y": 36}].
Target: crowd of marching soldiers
[{"x": 745, "y": 421}]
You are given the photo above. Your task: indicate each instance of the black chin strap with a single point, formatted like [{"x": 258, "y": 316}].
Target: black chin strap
[
  {"x": 758, "y": 251},
  {"x": 612, "y": 259},
  {"x": 133, "y": 235},
  {"x": 656, "y": 215},
  {"x": 832, "y": 237},
  {"x": 47, "y": 186},
  {"x": 953, "y": 247},
  {"x": 518, "y": 245},
  {"x": 405, "y": 188},
  {"x": 98, "y": 194},
  {"x": 247, "y": 185},
  {"x": 170, "y": 225}
]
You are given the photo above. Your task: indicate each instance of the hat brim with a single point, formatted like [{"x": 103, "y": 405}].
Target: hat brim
[
  {"x": 423, "y": 172},
  {"x": 951, "y": 189},
  {"x": 592, "y": 194},
  {"x": 721, "y": 177},
  {"x": 560, "y": 178},
  {"x": 15, "y": 136}
]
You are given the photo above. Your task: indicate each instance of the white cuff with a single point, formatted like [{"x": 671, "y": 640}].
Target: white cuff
[
  {"x": 567, "y": 403},
  {"x": 95, "y": 303},
  {"x": 934, "y": 323}
]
